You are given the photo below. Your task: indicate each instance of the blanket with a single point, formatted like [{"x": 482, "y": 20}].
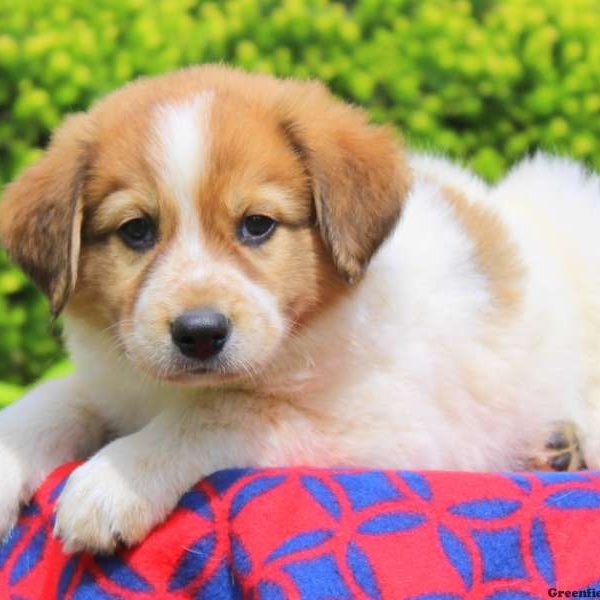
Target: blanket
[{"x": 312, "y": 534}]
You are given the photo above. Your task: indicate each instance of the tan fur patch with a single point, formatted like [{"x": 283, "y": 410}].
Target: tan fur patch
[{"x": 496, "y": 254}]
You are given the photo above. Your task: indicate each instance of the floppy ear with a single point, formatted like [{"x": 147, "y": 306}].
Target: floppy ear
[
  {"x": 357, "y": 171},
  {"x": 41, "y": 213}
]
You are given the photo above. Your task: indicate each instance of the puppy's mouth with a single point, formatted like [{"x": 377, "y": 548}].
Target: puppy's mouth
[
  {"x": 202, "y": 374},
  {"x": 202, "y": 370}
]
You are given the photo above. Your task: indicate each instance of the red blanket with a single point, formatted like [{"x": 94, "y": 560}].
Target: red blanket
[{"x": 333, "y": 534}]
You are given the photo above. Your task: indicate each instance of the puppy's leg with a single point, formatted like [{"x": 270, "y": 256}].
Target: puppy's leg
[
  {"x": 561, "y": 450},
  {"x": 133, "y": 484},
  {"x": 47, "y": 427},
  {"x": 590, "y": 437}
]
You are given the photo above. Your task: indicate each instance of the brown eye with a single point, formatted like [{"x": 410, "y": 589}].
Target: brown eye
[
  {"x": 256, "y": 229},
  {"x": 138, "y": 234}
]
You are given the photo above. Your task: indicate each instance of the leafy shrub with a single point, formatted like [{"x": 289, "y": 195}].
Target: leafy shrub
[{"x": 483, "y": 80}]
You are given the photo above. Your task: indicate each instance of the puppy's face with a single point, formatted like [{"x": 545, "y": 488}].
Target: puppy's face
[
  {"x": 203, "y": 216},
  {"x": 208, "y": 256}
]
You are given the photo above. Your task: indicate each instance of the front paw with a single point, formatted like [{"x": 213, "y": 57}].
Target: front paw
[
  {"x": 99, "y": 509},
  {"x": 13, "y": 493}
]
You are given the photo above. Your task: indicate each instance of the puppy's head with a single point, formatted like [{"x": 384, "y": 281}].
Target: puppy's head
[{"x": 202, "y": 216}]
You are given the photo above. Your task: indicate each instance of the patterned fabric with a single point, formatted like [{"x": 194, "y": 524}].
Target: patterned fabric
[{"x": 309, "y": 534}]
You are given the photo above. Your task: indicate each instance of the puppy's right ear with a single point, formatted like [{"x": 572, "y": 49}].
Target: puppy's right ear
[
  {"x": 358, "y": 173},
  {"x": 41, "y": 213}
]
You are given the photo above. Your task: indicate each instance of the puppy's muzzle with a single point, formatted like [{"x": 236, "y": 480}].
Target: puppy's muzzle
[{"x": 200, "y": 334}]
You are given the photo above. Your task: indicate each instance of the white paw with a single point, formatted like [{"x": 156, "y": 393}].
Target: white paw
[
  {"x": 13, "y": 492},
  {"x": 100, "y": 508}
]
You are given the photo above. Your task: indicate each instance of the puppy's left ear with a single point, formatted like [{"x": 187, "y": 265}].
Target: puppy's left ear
[
  {"x": 357, "y": 171},
  {"x": 41, "y": 213}
]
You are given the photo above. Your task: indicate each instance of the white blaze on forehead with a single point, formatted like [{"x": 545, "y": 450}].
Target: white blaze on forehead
[
  {"x": 183, "y": 138},
  {"x": 183, "y": 134}
]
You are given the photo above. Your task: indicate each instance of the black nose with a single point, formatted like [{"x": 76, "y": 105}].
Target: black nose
[{"x": 200, "y": 333}]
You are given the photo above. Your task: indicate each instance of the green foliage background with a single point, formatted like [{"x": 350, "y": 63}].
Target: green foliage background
[{"x": 483, "y": 80}]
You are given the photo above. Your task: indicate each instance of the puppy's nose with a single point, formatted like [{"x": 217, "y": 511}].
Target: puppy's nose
[{"x": 200, "y": 333}]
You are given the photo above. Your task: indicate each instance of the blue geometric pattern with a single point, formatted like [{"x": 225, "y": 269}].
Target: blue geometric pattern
[
  {"x": 192, "y": 562},
  {"x": 501, "y": 553},
  {"x": 119, "y": 572},
  {"x": 30, "y": 556},
  {"x": 323, "y": 495},
  {"x": 242, "y": 562},
  {"x": 367, "y": 489},
  {"x": 10, "y": 543},
  {"x": 302, "y": 541},
  {"x": 318, "y": 579},
  {"x": 220, "y": 585},
  {"x": 67, "y": 575},
  {"x": 541, "y": 551},
  {"x": 511, "y": 595},
  {"x": 457, "y": 554},
  {"x": 417, "y": 483},
  {"x": 391, "y": 523},
  {"x": 574, "y": 499},
  {"x": 252, "y": 490},
  {"x": 198, "y": 502},
  {"x": 343, "y": 534},
  {"x": 267, "y": 590},
  {"x": 362, "y": 571},
  {"x": 89, "y": 589},
  {"x": 486, "y": 510}
]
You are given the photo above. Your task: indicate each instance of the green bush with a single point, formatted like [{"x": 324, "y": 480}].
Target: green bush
[{"x": 483, "y": 80}]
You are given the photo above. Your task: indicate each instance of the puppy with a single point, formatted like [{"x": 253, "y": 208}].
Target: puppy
[{"x": 207, "y": 235}]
